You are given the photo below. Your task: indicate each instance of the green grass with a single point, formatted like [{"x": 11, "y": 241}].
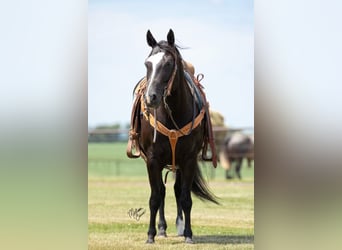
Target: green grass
[{"x": 111, "y": 193}]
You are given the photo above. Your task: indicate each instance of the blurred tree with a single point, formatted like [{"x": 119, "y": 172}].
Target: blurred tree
[{"x": 113, "y": 126}]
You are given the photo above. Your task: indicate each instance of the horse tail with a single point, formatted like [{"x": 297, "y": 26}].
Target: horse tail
[{"x": 201, "y": 189}]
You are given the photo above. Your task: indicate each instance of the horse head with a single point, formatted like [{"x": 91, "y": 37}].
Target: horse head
[{"x": 161, "y": 65}]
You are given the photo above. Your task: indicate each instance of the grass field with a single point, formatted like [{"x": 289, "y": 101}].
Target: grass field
[{"x": 116, "y": 184}]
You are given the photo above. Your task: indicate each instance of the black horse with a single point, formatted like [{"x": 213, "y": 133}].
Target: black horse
[
  {"x": 172, "y": 127},
  {"x": 234, "y": 149}
]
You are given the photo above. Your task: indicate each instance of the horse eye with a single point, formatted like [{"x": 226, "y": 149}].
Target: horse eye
[{"x": 168, "y": 64}]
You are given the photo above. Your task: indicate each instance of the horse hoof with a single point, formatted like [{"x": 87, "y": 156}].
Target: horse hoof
[
  {"x": 188, "y": 240},
  {"x": 162, "y": 233},
  {"x": 150, "y": 240}
]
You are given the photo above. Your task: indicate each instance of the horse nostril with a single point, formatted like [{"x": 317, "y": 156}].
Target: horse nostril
[{"x": 153, "y": 97}]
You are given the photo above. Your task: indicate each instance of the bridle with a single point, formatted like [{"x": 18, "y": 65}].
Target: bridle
[{"x": 169, "y": 85}]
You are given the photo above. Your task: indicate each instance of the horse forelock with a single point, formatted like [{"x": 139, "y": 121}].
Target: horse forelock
[{"x": 163, "y": 46}]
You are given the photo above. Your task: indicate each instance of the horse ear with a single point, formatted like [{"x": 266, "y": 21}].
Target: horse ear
[
  {"x": 150, "y": 39},
  {"x": 171, "y": 38}
]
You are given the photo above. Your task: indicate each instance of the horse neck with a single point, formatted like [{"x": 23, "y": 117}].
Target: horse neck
[{"x": 180, "y": 101}]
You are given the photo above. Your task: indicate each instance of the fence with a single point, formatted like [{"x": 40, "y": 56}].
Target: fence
[
  {"x": 112, "y": 161},
  {"x": 115, "y": 135}
]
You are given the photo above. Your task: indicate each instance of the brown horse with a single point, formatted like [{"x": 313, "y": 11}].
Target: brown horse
[
  {"x": 235, "y": 148},
  {"x": 170, "y": 130}
]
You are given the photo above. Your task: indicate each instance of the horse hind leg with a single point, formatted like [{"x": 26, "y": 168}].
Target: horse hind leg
[
  {"x": 179, "y": 218},
  {"x": 228, "y": 171},
  {"x": 185, "y": 197},
  {"x": 238, "y": 168},
  {"x": 186, "y": 202},
  {"x": 180, "y": 226}
]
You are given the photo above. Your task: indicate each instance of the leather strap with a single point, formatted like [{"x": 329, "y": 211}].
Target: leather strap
[
  {"x": 210, "y": 135},
  {"x": 170, "y": 82},
  {"x": 172, "y": 134},
  {"x": 133, "y": 140}
]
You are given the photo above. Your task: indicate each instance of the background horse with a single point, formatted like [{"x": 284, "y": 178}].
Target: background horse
[
  {"x": 234, "y": 149},
  {"x": 171, "y": 101}
]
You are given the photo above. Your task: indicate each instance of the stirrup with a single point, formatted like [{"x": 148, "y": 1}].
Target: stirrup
[{"x": 132, "y": 144}]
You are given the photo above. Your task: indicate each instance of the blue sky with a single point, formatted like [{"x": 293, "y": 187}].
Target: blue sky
[{"x": 218, "y": 36}]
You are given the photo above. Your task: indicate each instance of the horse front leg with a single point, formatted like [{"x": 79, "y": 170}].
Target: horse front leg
[
  {"x": 162, "y": 222},
  {"x": 186, "y": 201},
  {"x": 178, "y": 190},
  {"x": 155, "y": 176}
]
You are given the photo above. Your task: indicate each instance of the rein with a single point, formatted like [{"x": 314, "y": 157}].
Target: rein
[
  {"x": 169, "y": 111},
  {"x": 170, "y": 82},
  {"x": 167, "y": 93}
]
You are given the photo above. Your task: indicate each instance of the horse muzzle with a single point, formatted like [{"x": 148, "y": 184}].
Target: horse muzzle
[{"x": 153, "y": 100}]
